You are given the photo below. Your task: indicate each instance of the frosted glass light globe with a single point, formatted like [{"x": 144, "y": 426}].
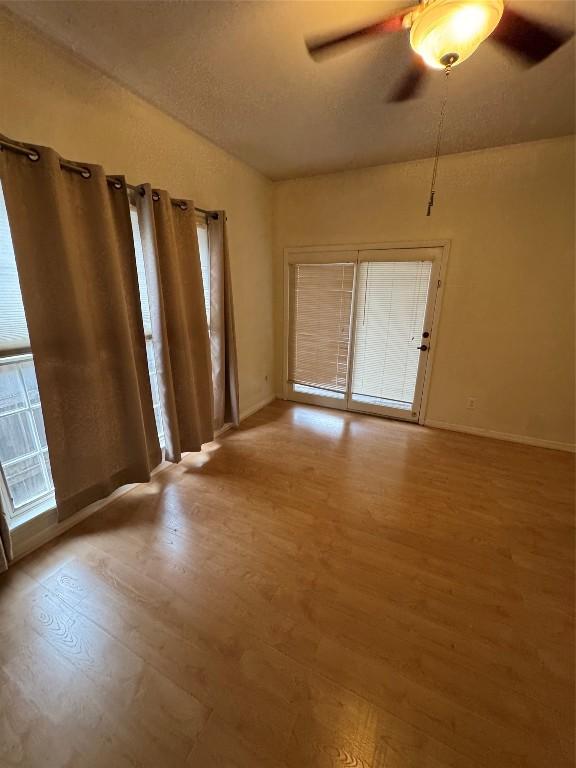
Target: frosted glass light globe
[{"x": 453, "y": 29}]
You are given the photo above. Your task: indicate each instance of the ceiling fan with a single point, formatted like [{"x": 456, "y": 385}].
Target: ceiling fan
[{"x": 444, "y": 33}]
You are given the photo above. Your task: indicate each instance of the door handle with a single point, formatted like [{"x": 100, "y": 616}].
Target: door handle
[{"x": 423, "y": 348}]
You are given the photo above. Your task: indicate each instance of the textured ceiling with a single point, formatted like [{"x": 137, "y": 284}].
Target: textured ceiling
[{"x": 238, "y": 73}]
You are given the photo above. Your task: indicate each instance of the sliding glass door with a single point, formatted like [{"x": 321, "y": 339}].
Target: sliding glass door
[{"x": 360, "y": 327}]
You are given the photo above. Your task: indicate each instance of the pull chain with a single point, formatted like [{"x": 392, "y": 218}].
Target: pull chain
[{"x": 447, "y": 72}]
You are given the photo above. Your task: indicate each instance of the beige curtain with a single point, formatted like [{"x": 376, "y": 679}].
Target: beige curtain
[
  {"x": 5, "y": 543},
  {"x": 75, "y": 257},
  {"x": 222, "y": 333},
  {"x": 178, "y": 318}
]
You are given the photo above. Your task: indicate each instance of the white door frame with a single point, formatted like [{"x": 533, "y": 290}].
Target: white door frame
[{"x": 350, "y": 253}]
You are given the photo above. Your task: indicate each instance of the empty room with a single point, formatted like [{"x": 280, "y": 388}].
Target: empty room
[{"x": 287, "y": 383}]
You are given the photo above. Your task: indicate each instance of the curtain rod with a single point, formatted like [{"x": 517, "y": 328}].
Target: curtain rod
[{"x": 33, "y": 155}]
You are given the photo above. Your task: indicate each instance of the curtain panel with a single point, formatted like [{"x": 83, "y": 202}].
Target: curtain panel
[
  {"x": 222, "y": 330},
  {"x": 178, "y": 319},
  {"x": 76, "y": 265}
]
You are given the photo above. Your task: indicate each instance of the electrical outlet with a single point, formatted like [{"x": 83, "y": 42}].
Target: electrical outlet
[{"x": 471, "y": 404}]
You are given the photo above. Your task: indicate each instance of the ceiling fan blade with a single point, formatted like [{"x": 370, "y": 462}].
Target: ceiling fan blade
[
  {"x": 411, "y": 83},
  {"x": 319, "y": 48},
  {"x": 527, "y": 38}
]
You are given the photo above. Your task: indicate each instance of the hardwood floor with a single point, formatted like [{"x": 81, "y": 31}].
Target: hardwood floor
[{"x": 317, "y": 589}]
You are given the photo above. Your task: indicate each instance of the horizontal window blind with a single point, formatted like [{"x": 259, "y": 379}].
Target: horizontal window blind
[
  {"x": 13, "y": 327},
  {"x": 319, "y": 333},
  {"x": 390, "y": 312}
]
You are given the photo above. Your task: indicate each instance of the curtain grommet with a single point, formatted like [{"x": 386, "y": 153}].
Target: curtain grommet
[
  {"x": 34, "y": 156},
  {"x": 117, "y": 185},
  {"x": 86, "y": 173}
]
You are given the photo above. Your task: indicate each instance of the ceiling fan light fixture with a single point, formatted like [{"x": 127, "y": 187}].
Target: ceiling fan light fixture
[{"x": 449, "y": 31}]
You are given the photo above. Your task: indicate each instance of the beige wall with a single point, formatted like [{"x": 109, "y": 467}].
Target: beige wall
[
  {"x": 47, "y": 96},
  {"x": 506, "y": 335}
]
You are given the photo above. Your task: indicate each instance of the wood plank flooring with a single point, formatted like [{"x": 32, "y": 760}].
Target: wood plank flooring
[{"x": 317, "y": 589}]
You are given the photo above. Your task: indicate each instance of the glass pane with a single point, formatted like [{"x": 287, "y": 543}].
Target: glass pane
[
  {"x": 150, "y": 355},
  {"x": 25, "y": 480},
  {"x": 382, "y": 401},
  {"x": 46, "y": 459},
  {"x": 202, "y": 230},
  {"x": 12, "y": 394},
  {"x": 29, "y": 376},
  {"x": 159, "y": 424},
  {"x": 13, "y": 328},
  {"x": 16, "y": 436},
  {"x": 39, "y": 423},
  {"x": 155, "y": 393},
  {"x": 145, "y": 308},
  {"x": 141, "y": 271}
]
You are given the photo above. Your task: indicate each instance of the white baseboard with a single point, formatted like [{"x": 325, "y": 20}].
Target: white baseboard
[
  {"x": 512, "y": 438},
  {"x": 258, "y": 407}
]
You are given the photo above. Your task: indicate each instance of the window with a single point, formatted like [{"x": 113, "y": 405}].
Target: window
[
  {"x": 13, "y": 327},
  {"x": 202, "y": 231},
  {"x": 145, "y": 308},
  {"x": 23, "y": 450}
]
